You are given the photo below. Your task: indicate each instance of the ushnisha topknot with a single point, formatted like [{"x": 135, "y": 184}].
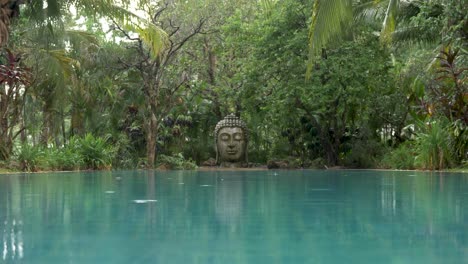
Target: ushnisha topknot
[{"x": 232, "y": 121}]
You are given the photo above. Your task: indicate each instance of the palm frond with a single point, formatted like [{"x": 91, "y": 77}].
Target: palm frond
[
  {"x": 80, "y": 35},
  {"x": 154, "y": 38},
  {"x": 414, "y": 34},
  {"x": 369, "y": 11},
  {"x": 329, "y": 20},
  {"x": 267, "y": 5},
  {"x": 58, "y": 64},
  {"x": 389, "y": 23}
]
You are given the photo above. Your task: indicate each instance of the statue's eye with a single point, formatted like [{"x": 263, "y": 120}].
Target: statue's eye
[
  {"x": 238, "y": 136},
  {"x": 224, "y": 137}
]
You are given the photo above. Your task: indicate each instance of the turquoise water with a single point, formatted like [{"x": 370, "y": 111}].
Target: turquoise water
[{"x": 234, "y": 217}]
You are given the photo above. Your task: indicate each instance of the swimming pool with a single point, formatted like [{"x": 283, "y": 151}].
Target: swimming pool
[{"x": 303, "y": 216}]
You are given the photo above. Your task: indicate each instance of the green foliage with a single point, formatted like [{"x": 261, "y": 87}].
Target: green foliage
[
  {"x": 332, "y": 20},
  {"x": 421, "y": 22},
  {"x": 65, "y": 158},
  {"x": 29, "y": 157},
  {"x": 96, "y": 152},
  {"x": 403, "y": 157},
  {"x": 434, "y": 146},
  {"x": 88, "y": 152},
  {"x": 363, "y": 153},
  {"x": 329, "y": 19},
  {"x": 169, "y": 95},
  {"x": 447, "y": 91},
  {"x": 154, "y": 37},
  {"x": 309, "y": 120},
  {"x": 459, "y": 133},
  {"x": 177, "y": 162},
  {"x": 126, "y": 156}
]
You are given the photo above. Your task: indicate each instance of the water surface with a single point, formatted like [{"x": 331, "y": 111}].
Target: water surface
[{"x": 234, "y": 217}]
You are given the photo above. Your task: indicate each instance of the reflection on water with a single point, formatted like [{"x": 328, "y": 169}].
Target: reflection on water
[
  {"x": 234, "y": 217},
  {"x": 12, "y": 241},
  {"x": 387, "y": 197},
  {"x": 228, "y": 202}
]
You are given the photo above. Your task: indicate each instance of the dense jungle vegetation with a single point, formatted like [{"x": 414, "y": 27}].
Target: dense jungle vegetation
[{"x": 134, "y": 84}]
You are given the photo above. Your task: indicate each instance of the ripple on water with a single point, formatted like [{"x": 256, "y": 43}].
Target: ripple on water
[
  {"x": 320, "y": 190},
  {"x": 144, "y": 201},
  {"x": 323, "y": 202}
]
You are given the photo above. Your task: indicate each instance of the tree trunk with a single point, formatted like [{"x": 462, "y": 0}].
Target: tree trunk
[
  {"x": 8, "y": 10},
  {"x": 151, "y": 140},
  {"x": 5, "y": 149},
  {"x": 212, "y": 65},
  {"x": 330, "y": 151},
  {"x": 45, "y": 133},
  {"x": 5, "y": 140},
  {"x": 211, "y": 62},
  {"x": 77, "y": 120}
]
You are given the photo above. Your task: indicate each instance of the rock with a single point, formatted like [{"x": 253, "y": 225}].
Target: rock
[
  {"x": 209, "y": 163},
  {"x": 278, "y": 164},
  {"x": 164, "y": 166}
]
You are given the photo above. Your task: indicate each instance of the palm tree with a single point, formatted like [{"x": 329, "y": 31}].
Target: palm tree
[
  {"x": 446, "y": 22},
  {"x": 332, "y": 18},
  {"x": 14, "y": 82},
  {"x": 39, "y": 10},
  {"x": 46, "y": 52}
]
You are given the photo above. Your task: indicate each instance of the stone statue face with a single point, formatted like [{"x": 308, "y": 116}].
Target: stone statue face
[{"x": 231, "y": 144}]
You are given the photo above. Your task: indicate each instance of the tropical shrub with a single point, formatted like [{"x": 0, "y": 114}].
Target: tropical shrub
[
  {"x": 126, "y": 154},
  {"x": 459, "y": 132},
  {"x": 403, "y": 157},
  {"x": 434, "y": 146},
  {"x": 28, "y": 156},
  {"x": 66, "y": 158},
  {"x": 88, "y": 152},
  {"x": 96, "y": 152},
  {"x": 363, "y": 153}
]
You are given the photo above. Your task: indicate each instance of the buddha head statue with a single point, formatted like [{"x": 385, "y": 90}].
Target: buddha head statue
[{"x": 231, "y": 138}]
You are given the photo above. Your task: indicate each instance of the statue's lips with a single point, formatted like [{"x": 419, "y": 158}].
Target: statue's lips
[{"x": 231, "y": 152}]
